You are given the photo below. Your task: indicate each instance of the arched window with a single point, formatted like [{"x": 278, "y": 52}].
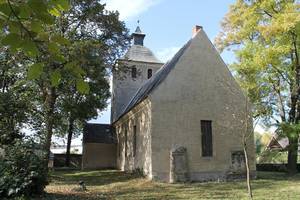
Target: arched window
[
  {"x": 133, "y": 72},
  {"x": 149, "y": 73}
]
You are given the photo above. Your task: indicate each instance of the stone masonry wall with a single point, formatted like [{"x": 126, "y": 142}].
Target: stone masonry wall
[
  {"x": 140, "y": 117},
  {"x": 124, "y": 86}
]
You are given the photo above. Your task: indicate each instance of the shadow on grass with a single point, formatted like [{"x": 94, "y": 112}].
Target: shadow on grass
[
  {"x": 143, "y": 189},
  {"x": 75, "y": 196},
  {"x": 91, "y": 178}
]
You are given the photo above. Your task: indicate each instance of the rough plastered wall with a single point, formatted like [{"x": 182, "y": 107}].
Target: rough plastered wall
[
  {"x": 200, "y": 87},
  {"x": 124, "y": 86},
  {"x": 98, "y": 156},
  {"x": 140, "y": 117}
]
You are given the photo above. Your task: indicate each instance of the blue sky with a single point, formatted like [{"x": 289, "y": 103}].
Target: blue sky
[{"x": 168, "y": 25}]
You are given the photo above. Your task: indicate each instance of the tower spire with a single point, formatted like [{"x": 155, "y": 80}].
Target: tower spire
[{"x": 138, "y": 36}]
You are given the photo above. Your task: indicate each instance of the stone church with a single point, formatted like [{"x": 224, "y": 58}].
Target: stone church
[{"x": 179, "y": 121}]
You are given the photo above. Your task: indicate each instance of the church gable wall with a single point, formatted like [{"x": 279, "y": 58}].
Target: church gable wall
[{"x": 200, "y": 87}]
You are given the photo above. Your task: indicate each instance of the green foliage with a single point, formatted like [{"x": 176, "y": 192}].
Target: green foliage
[
  {"x": 258, "y": 143},
  {"x": 82, "y": 86},
  {"x": 274, "y": 156},
  {"x": 55, "y": 78},
  {"x": 11, "y": 116},
  {"x": 265, "y": 37},
  {"x": 35, "y": 71},
  {"x": 46, "y": 30},
  {"x": 65, "y": 59},
  {"x": 289, "y": 130},
  {"x": 262, "y": 34},
  {"x": 261, "y": 142},
  {"x": 21, "y": 171},
  {"x": 24, "y": 21},
  {"x": 15, "y": 97}
]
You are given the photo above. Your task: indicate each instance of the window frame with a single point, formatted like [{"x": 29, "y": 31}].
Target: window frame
[
  {"x": 149, "y": 73},
  {"x": 125, "y": 142},
  {"x": 206, "y": 138},
  {"x": 119, "y": 146},
  {"x": 133, "y": 72},
  {"x": 134, "y": 140}
]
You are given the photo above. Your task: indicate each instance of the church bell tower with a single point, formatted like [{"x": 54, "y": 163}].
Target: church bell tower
[{"x": 137, "y": 66}]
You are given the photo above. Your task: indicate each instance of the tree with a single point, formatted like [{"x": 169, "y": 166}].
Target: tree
[
  {"x": 98, "y": 50},
  {"x": 15, "y": 104},
  {"x": 24, "y": 27},
  {"x": 41, "y": 30},
  {"x": 77, "y": 108},
  {"x": 91, "y": 31},
  {"x": 246, "y": 135},
  {"x": 265, "y": 36},
  {"x": 21, "y": 173}
]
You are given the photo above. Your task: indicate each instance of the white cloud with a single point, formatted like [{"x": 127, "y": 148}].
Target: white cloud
[
  {"x": 167, "y": 53},
  {"x": 130, "y": 8}
]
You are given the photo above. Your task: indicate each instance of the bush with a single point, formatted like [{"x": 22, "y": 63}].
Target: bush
[{"x": 22, "y": 172}]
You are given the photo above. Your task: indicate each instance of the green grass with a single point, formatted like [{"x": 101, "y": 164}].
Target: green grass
[{"x": 111, "y": 184}]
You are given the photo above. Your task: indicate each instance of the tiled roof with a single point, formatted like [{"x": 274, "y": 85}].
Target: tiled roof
[
  {"x": 98, "y": 133},
  {"x": 140, "y": 53}
]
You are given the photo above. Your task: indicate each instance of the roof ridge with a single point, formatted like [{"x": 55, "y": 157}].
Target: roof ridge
[{"x": 154, "y": 81}]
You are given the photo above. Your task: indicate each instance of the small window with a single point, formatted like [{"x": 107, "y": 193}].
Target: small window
[
  {"x": 206, "y": 136},
  {"x": 134, "y": 141},
  {"x": 149, "y": 73},
  {"x": 119, "y": 145},
  {"x": 125, "y": 143},
  {"x": 133, "y": 72}
]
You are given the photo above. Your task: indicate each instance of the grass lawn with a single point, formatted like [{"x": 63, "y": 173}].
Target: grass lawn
[{"x": 111, "y": 184}]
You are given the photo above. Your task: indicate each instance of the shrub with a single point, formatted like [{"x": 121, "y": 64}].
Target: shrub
[{"x": 22, "y": 172}]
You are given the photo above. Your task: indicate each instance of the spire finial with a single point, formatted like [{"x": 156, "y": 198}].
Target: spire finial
[
  {"x": 138, "y": 29},
  {"x": 138, "y": 35}
]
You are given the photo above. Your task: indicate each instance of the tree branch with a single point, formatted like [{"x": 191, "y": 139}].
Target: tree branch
[{"x": 19, "y": 20}]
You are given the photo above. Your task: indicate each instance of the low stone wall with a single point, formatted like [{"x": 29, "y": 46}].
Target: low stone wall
[
  {"x": 75, "y": 160},
  {"x": 274, "y": 167},
  {"x": 99, "y": 156}
]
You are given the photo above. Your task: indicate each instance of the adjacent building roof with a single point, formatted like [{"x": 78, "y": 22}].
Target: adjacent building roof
[
  {"x": 154, "y": 81},
  {"x": 280, "y": 143},
  {"x": 98, "y": 133}
]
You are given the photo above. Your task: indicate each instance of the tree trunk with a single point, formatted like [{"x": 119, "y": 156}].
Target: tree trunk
[
  {"x": 248, "y": 172},
  {"x": 70, "y": 134},
  {"x": 294, "y": 115},
  {"x": 246, "y": 135},
  {"x": 293, "y": 142},
  {"x": 292, "y": 156},
  {"x": 49, "y": 112}
]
